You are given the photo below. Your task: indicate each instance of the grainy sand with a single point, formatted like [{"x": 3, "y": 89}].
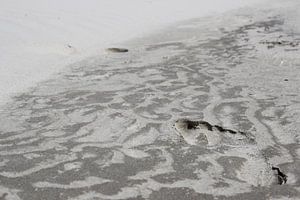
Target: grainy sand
[{"x": 103, "y": 129}]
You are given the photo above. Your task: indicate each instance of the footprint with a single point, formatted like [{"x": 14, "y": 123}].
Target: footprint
[
  {"x": 204, "y": 133},
  {"x": 231, "y": 146}
]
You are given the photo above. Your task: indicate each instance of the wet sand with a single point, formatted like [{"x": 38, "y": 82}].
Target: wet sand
[{"x": 104, "y": 128}]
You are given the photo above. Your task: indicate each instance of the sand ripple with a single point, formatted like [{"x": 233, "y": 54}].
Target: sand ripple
[{"x": 103, "y": 128}]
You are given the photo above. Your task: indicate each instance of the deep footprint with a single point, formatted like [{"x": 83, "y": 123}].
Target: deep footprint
[
  {"x": 204, "y": 133},
  {"x": 230, "y": 147}
]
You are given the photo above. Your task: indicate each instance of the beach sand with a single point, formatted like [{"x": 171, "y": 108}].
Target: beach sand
[
  {"x": 104, "y": 127},
  {"x": 39, "y": 38}
]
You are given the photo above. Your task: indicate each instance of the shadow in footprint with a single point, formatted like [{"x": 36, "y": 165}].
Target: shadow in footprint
[
  {"x": 202, "y": 132},
  {"x": 282, "y": 178}
]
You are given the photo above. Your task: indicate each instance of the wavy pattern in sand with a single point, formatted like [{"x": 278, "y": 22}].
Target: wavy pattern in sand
[{"x": 103, "y": 129}]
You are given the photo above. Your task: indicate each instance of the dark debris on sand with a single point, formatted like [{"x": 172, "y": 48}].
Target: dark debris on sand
[{"x": 272, "y": 44}]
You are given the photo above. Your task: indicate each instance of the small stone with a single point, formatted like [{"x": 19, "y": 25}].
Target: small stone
[
  {"x": 117, "y": 50},
  {"x": 286, "y": 79}
]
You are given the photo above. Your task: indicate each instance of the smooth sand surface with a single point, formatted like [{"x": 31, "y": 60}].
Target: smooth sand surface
[{"x": 104, "y": 128}]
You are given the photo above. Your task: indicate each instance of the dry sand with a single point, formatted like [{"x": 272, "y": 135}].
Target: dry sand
[
  {"x": 103, "y": 128},
  {"x": 40, "y": 37}
]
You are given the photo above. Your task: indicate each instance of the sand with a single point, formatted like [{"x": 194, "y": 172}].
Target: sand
[
  {"x": 40, "y": 37},
  {"x": 104, "y": 127}
]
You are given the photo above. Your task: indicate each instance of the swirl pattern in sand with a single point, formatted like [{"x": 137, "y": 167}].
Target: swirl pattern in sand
[{"x": 103, "y": 128}]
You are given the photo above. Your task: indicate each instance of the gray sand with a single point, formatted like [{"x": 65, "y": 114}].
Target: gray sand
[{"x": 103, "y": 128}]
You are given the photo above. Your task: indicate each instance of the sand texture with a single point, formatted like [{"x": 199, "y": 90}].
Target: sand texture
[
  {"x": 106, "y": 128},
  {"x": 39, "y": 38}
]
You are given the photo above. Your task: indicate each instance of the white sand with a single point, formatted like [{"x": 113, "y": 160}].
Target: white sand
[{"x": 39, "y": 37}]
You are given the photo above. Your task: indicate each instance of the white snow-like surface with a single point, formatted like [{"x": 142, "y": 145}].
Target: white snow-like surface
[{"x": 39, "y": 37}]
